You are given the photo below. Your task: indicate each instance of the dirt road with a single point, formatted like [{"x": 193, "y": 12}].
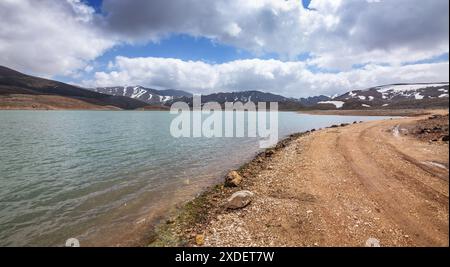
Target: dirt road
[{"x": 342, "y": 186}]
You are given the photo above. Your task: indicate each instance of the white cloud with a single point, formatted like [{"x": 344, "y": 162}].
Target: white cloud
[
  {"x": 48, "y": 37},
  {"x": 51, "y": 37},
  {"x": 286, "y": 78},
  {"x": 337, "y": 33}
]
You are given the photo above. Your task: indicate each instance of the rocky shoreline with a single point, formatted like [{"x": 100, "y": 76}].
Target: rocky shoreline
[
  {"x": 313, "y": 189},
  {"x": 186, "y": 226}
]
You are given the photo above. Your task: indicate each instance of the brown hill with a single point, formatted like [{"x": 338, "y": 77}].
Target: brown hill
[{"x": 21, "y": 91}]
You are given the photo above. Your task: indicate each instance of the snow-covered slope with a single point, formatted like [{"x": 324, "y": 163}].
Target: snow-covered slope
[
  {"x": 394, "y": 95},
  {"x": 416, "y": 91},
  {"x": 147, "y": 95},
  {"x": 399, "y": 92}
]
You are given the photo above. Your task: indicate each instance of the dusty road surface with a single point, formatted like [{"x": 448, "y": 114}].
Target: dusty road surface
[{"x": 342, "y": 186}]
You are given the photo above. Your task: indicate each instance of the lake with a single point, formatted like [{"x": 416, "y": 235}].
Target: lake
[{"x": 97, "y": 175}]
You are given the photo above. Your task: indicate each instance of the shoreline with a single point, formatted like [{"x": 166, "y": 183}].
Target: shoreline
[
  {"x": 187, "y": 225},
  {"x": 176, "y": 230},
  {"x": 372, "y": 112}
]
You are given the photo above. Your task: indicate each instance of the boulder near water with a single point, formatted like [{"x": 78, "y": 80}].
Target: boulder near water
[
  {"x": 233, "y": 179},
  {"x": 239, "y": 199}
]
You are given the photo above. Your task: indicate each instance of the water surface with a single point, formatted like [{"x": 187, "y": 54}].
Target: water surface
[{"x": 94, "y": 174}]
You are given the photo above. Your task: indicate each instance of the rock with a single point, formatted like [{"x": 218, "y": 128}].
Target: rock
[
  {"x": 435, "y": 116},
  {"x": 445, "y": 138},
  {"x": 233, "y": 179},
  {"x": 141, "y": 221},
  {"x": 239, "y": 199},
  {"x": 373, "y": 242},
  {"x": 344, "y": 124},
  {"x": 199, "y": 240}
]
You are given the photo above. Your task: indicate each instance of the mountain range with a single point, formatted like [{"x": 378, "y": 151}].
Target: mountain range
[
  {"x": 406, "y": 95},
  {"x": 21, "y": 91},
  {"x": 147, "y": 95}
]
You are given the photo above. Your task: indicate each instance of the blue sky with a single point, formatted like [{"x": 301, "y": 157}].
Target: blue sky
[
  {"x": 185, "y": 47},
  {"x": 290, "y": 47}
]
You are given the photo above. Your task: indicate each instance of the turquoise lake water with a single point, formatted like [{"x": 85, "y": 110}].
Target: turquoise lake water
[{"x": 86, "y": 173}]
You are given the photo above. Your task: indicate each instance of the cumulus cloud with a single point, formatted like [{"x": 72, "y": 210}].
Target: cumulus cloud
[
  {"x": 287, "y": 78},
  {"x": 337, "y": 33},
  {"x": 380, "y": 32},
  {"x": 48, "y": 37},
  {"x": 52, "y": 37}
]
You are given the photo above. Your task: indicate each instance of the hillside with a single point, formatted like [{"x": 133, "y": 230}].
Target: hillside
[
  {"x": 21, "y": 91},
  {"x": 394, "y": 96},
  {"x": 147, "y": 95},
  {"x": 284, "y": 103}
]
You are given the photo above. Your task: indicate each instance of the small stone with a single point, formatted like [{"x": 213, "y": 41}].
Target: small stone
[
  {"x": 239, "y": 199},
  {"x": 373, "y": 242},
  {"x": 199, "y": 239},
  {"x": 141, "y": 221},
  {"x": 309, "y": 211},
  {"x": 233, "y": 179}
]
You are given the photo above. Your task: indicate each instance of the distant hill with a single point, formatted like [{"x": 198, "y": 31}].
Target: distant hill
[
  {"x": 313, "y": 100},
  {"x": 393, "y": 96},
  {"x": 174, "y": 93},
  {"x": 21, "y": 91},
  {"x": 284, "y": 103},
  {"x": 147, "y": 95}
]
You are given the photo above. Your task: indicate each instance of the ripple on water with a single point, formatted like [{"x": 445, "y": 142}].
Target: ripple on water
[{"x": 73, "y": 173}]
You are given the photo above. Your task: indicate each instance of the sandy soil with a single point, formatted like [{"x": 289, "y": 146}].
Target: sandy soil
[{"x": 337, "y": 187}]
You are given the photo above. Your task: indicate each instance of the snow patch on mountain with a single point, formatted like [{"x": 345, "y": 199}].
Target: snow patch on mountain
[
  {"x": 418, "y": 96},
  {"x": 337, "y": 104}
]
